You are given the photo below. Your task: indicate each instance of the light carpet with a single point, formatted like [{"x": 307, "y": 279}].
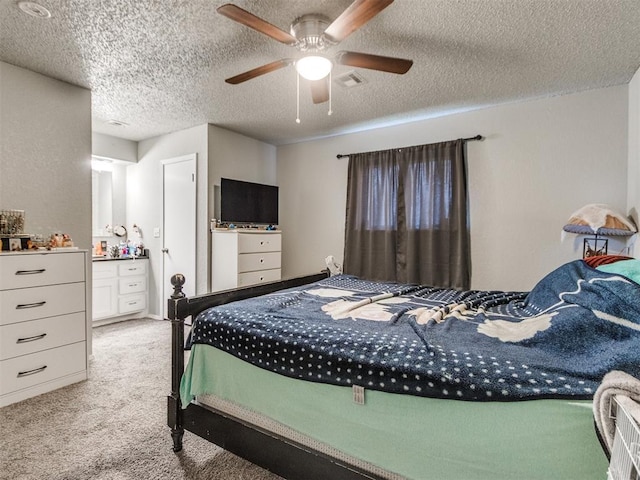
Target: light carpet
[{"x": 113, "y": 426}]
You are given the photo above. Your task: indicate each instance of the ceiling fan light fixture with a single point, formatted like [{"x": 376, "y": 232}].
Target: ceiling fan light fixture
[{"x": 314, "y": 67}]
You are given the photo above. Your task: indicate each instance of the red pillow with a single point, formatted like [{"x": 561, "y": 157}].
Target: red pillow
[{"x": 598, "y": 260}]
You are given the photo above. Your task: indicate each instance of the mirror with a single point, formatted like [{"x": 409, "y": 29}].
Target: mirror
[{"x": 102, "y": 202}]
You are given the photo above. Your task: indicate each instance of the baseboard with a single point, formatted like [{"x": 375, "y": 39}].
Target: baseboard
[{"x": 121, "y": 318}]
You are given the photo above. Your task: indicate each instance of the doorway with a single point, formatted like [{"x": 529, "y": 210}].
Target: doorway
[{"x": 179, "y": 224}]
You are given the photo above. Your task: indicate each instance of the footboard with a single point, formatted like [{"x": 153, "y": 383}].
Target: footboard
[{"x": 180, "y": 308}]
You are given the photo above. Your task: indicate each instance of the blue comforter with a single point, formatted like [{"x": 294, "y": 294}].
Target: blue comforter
[{"x": 556, "y": 341}]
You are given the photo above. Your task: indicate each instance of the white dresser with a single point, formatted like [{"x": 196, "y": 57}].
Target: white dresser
[
  {"x": 43, "y": 322},
  {"x": 119, "y": 288},
  {"x": 242, "y": 257}
]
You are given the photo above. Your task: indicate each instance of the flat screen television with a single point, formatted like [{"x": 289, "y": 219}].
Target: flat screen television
[{"x": 248, "y": 203}]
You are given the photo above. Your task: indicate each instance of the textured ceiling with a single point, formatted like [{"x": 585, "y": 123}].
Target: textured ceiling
[{"x": 160, "y": 65}]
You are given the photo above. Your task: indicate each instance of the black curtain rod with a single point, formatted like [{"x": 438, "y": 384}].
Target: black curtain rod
[{"x": 470, "y": 139}]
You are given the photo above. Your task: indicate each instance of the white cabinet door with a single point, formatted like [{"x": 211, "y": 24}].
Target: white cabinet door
[{"x": 105, "y": 298}]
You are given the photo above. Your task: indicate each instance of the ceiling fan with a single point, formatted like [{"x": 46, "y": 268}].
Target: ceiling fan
[{"x": 314, "y": 33}]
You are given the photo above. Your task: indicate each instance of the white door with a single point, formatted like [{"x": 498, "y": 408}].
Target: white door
[{"x": 179, "y": 224}]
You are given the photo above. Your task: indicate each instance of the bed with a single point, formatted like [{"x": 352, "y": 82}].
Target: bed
[{"x": 337, "y": 377}]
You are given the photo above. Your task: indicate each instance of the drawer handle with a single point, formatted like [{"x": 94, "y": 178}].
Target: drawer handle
[
  {"x": 135, "y": 302},
  {"x": 262, "y": 260},
  {"x": 31, "y": 372},
  {"x": 31, "y": 339},
  {"x": 31, "y": 272},
  {"x": 30, "y": 305}
]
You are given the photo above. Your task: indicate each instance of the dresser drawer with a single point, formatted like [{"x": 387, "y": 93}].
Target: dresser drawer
[
  {"x": 29, "y": 370},
  {"x": 250, "y": 262},
  {"x": 253, "y": 278},
  {"x": 39, "y": 302},
  {"x": 132, "y": 285},
  {"x": 104, "y": 269},
  {"x": 36, "y": 335},
  {"x": 259, "y": 242},
  {"x": 132, "y": 303},
  {"x": 37, "y": 269},
  {"x": 126, "y": 268}
]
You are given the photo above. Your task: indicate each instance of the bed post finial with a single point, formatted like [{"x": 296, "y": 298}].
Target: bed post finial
[{"x": 178, "y": 281}]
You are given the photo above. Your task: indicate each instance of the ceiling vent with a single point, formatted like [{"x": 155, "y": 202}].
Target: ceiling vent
[
  {"x": 117, "y": 123},
  {"x": 349, "y": 80}
]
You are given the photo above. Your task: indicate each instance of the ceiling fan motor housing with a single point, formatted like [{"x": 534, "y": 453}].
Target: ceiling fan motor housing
[{"x": 308, "y": 30}]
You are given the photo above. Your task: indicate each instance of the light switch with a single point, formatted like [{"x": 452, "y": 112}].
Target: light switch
[{"x": 156, "y": 232}]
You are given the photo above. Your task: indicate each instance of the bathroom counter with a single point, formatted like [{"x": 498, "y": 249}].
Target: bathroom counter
[{"x": 101, "y": 258}]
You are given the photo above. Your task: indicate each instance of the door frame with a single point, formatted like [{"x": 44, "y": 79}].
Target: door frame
[{"x": 188, "y": 241}]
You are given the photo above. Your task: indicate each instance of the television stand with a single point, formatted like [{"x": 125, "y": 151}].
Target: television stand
[{"x": 244, "y": 256}]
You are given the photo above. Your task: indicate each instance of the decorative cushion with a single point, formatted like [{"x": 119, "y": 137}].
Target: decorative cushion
[{"x": 598, "y": 260}]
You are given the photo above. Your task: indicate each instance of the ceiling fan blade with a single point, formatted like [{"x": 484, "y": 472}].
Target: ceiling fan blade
[
  {"x": 239, "y": 15},
  {"x": 374, "y": 62},
  {"x": 355, "y": 16},
  {"x": 256, "y": 72},
  {"x": 320, "y": 90}
]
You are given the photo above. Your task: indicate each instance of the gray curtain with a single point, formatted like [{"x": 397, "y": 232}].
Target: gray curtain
[{"x": 407, "y": 216}]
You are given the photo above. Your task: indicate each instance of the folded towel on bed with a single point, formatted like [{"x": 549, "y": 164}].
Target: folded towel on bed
[{"x": 614, "y": 383}]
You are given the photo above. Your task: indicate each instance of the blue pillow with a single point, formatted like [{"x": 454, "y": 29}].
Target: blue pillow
[{"x": 626, "y": 268}]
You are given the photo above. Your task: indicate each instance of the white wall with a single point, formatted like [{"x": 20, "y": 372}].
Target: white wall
[
  {"x": 633, "y": 189},
  {"x": 539, "y": 162},
  {"x": 45, "y": 157},
  {"x": 115, "y": 148},
  {"x": 232, "y": 155},
  {"x": 145, "y": 202},
  {"x": 236, "y": 156},
  {"x": 221, "y": 153},
  {"x": 45, "y": 153}
]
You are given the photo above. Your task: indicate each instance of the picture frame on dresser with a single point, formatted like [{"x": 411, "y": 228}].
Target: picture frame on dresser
[{"x": 15, "y": 245}]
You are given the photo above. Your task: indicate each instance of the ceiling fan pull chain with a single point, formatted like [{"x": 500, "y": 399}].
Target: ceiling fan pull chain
[
  {"x": 330, "y": 110},
  {"x": 298, "y": 98}
]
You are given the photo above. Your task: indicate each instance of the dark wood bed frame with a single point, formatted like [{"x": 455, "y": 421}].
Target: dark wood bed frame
[{"x": 266, "y": 449}]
